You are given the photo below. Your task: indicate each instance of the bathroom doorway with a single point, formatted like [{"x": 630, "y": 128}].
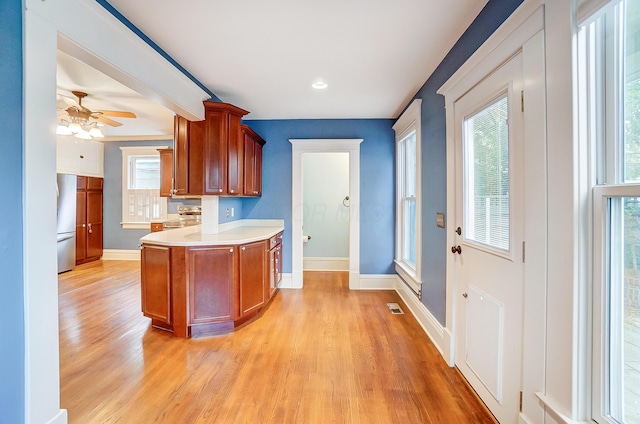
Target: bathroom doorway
[
  {"x": 325, "y": 215},
  {"x": 350, "y": 147}
]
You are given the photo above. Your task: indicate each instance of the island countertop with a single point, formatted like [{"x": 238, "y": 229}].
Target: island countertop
[{"x": 232, "y": 233}]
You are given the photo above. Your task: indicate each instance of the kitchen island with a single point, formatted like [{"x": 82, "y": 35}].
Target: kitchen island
[{"x": 196, "y": 284}]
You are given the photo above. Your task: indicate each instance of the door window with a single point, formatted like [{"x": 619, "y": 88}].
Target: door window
[{"x": 486, "y": 156}]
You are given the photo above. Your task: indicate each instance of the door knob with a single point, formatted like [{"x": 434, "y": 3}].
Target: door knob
[
  {"x": 459, "y": 231},
  {"x": 456, "y": 249},
  {"x": 464, "y": 295}
]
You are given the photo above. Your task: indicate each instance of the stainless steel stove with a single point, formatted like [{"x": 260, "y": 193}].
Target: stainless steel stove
[{"x": 188, "y": 215}]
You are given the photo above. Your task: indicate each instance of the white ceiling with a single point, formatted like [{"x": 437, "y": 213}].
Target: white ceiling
[{"x": 263, "y": 55}]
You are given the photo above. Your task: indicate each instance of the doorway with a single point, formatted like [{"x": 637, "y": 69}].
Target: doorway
[
  {"x": 300, "y": 147},
  {"x": 325, "y": 186}
]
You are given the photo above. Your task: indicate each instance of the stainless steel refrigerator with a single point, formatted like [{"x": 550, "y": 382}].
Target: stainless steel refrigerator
[{"x": 66, "y": 194}]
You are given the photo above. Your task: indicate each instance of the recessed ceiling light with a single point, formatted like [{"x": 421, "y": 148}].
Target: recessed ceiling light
[{"x": 319, "y": 85}]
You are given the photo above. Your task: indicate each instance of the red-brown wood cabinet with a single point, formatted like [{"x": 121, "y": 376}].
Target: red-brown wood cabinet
[
  {"x": 203, "y": 290},
  {"x": 216, "y": 156},
  {"x": 89, "y": 226}
]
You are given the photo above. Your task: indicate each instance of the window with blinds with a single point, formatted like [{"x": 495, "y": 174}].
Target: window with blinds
[{"x": 486, "y": 155}]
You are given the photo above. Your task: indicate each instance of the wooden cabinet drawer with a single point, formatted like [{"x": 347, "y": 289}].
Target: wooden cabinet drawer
[{"x": 156, "y": 226}]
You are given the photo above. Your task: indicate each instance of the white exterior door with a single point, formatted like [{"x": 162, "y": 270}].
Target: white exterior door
[{"x": 488, "y": 249}]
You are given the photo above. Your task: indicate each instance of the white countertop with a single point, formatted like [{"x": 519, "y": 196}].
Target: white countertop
[{"x": 232, "y": 233}]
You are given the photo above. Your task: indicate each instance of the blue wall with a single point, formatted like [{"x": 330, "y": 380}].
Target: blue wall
[
  {"x": 377, "y": 187},
  {"x": 434, "y": 169},
  {"x": 12, "y": 346}
]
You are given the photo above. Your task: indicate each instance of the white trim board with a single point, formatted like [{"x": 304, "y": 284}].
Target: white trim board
[{"x": 325, "y": 264}]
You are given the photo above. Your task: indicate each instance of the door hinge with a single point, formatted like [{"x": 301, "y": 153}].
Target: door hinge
[
  {"x": 524, "y": 250},
  {"x": 521, "y": 401},
  {"x": 522, "y": 100}
]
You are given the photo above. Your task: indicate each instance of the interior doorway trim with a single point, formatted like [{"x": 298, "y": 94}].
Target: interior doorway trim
[{"x": 299, "y": 147}]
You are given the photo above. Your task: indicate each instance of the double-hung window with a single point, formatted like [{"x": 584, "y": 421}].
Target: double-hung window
[
  {"x": 141, "y": 201},
  {"x": 408, "y": 237},
  {"x": 609, "y": 107}
]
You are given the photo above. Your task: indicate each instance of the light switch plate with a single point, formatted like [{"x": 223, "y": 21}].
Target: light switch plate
[{"x": 440, "y": 219}]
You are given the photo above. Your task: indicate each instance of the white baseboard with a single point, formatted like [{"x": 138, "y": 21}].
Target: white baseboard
[
  {"x": 287, "y": 282},
  {"x": 60, "y": 418},
  {"x": 120, "y": 255},
  {"x": 378, "y": 281},
  {"x": 325, "y": 264},
  {"x": 427, "y": 321}
]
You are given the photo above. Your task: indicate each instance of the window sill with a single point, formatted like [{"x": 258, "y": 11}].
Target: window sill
[
  {"x": 136, "y": 225},
  {"x": 408, "y": 275}
]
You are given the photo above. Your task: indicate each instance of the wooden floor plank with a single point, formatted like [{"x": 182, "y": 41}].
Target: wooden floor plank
[{"x": 323, "y": 354}]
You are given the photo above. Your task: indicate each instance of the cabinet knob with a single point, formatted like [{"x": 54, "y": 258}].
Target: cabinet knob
[
  {"x": 231, "y": 250},
  {"x": 243, "y": 248},
  {"x": 230, "y": 191},
  {"x": 220, "y": 190}
]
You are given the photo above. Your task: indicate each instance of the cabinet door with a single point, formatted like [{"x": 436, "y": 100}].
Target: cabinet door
[
  {"x": 215, "y": 152},
  {"x": 81, "y": 221},
  {"x": 257, "y": 170},
  {"x": 94, "y": 221},
  {"x": 212, "y": 279},
  {"x": 249, "y": 165},
  {"x": 180, "y": 166},
  {"x": 235, "y": 183},
  {"x": 252, "y": 277},
  {"x": 166, "y": 172},
  {"x": 156, "y": 283}
]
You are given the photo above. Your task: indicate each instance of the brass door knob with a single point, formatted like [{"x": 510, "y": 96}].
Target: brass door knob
[{"x": 456, "y": 249}]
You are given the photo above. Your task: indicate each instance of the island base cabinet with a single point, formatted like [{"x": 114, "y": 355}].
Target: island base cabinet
[
  {"x": 252, "y": 294},
  {"x": 156, "y": 284},
  {"x": 211, "y": 287},
  {"x": 197, "y": 291}
]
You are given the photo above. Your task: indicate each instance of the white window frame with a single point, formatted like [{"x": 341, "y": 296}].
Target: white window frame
[
  {"x": 599, "y": 130},
  {"x": 409, "y": 122},
  {"x": 127, "y": 153}
]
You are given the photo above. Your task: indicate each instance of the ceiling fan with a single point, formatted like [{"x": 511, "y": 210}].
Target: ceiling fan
[{"x": 83, "y": 122}]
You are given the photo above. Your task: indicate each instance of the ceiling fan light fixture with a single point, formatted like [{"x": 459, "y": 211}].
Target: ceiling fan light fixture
[
  {"x": 75, "y": 128},
  {"x": 96, "y": 133},
  {"x": 63, "y": 129},
  {"x": 83, "y": 134}
]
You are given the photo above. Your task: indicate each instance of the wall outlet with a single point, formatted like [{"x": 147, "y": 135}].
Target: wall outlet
[{"x": 227, "y": 213}]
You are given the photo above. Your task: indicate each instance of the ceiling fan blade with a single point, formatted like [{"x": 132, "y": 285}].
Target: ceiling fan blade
[
  {"x": 116, "y": 113},
  {"x": 107, "y": 121},
  {"x": 68, "y": 100}
]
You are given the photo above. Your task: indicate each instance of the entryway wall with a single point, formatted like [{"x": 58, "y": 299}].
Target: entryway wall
[{"x": 325, "y": 211}]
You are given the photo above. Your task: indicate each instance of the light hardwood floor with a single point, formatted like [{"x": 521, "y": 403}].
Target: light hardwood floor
[{"x": 323, "y": 354}]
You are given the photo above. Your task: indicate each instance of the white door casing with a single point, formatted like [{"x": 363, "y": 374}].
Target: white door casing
[
  {"x": 488, "y": 266},
  {"x": 522, "y": 32}
]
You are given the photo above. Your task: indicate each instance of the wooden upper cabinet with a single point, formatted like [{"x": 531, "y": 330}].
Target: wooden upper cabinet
[
  {"x": 180, "y": 173},
  {"x": 166, "y": 172},
  {"x": 217, "y": 156},
  {"x": 252, "y": 162}
]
